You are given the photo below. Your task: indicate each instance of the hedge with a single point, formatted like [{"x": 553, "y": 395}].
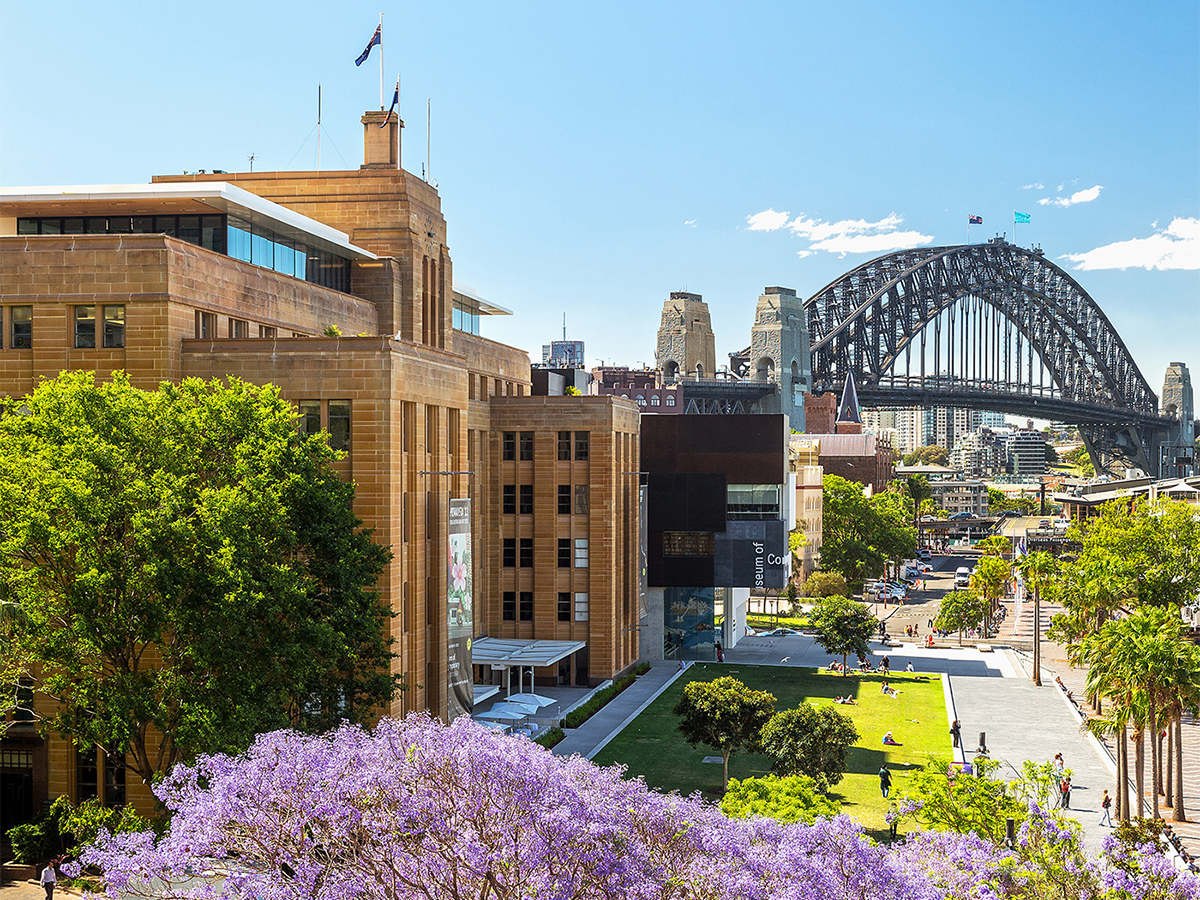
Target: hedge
[{"x": 581, "y": 714}]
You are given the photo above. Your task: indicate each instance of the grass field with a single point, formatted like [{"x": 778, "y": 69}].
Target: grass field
[
  {"x": 767, "y": 623},
  {"x": 651, "y": 745}
]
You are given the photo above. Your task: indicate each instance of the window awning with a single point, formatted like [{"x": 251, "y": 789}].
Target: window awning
[{"x": 511, "y": 652}]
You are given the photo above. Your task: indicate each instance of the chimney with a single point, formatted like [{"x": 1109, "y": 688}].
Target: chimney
[{"x": 381, "y": 146}]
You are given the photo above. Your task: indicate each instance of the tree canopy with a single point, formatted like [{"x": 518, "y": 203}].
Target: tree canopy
[
  {"x": 810, "y": 740},
  {"x": 843, "y": 626},
  {"x": 859, "y": 534},
  {"x": 723, "y": 714},
  {"x": 187, "y": 564},
  {"x": 929, "y": 455},
  {"x": 960, "y": 611}
]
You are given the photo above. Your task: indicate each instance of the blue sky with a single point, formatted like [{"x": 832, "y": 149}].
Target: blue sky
[{"x": 594, "y": 157}]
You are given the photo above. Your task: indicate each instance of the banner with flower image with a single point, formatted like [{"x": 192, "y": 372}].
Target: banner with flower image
[{"x": 460, "y": 612}]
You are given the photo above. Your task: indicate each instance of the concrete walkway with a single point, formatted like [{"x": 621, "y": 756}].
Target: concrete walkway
[{"x": 597, "y": 731}]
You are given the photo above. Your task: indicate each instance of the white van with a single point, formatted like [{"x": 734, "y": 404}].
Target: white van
[{"x": 962, "y": 577}]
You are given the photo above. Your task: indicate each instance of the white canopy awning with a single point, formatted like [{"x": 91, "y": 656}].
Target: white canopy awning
[{"x": 505, "y": 652}]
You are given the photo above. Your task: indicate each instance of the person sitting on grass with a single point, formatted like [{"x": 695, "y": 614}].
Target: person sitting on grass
[
  {"x": 909, "y": 668},
  {"x": 848, "y": 699},
  {"x": 834, "y": 666},
  {"x": 889, "y": 741},
  {"x": 890, "y": 691}
]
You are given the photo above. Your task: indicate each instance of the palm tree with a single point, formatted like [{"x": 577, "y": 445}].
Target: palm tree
[
  {"x": 988, "y": 580},
  {"x": 1038, "y": 570}
]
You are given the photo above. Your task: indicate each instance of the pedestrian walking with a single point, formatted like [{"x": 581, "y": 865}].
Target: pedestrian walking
[
  {"x": 1106, "y": 810},
  {"x": 720, "y": 653},
  {"x": 885, "y": 780},
  {"x": 1065, "y": 788},
  {"x": 49, "y": 879},
  {"x": 955, "y": 733},
  {"x": 885, "y": 665},
  {"x": 1058, "y": 764}
]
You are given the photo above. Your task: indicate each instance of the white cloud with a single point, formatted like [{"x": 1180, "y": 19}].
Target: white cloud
[
  {"x": 1084, "y": 196},
  {"x": 1036, "y": 186},
  {"x": 872, "y": 243},
  {"x": 691, "y": 223},
  {"x": 804, "y": 253},
  {"x": 1176, "y": 247},
  {"x": 816, "y": 230},
  {"x": 767, "y": 220}
]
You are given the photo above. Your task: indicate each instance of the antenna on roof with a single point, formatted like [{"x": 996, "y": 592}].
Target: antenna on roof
[
  {"x": 564, "y": 326},
  {"x": 251, "y": 158}
]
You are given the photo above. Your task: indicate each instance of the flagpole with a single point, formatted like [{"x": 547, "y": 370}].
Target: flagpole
[
  {"x": 381, "y": 60},
  {"x": 318, "y": 127}
]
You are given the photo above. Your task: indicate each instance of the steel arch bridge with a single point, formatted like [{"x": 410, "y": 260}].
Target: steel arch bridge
[{"x": 986, "y": 326}]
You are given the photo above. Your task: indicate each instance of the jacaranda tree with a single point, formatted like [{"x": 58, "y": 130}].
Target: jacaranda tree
[{"x": 416, "y": 809}]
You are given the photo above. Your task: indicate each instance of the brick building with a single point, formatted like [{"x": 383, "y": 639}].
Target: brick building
[{"x": 337, "y": 287}]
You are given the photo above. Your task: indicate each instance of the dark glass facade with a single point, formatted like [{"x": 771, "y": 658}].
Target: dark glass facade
[{"x": 222, "y": 234}]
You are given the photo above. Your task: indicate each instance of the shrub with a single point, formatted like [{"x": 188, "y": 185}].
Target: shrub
[
  {"x": 549, "y": 738},
  {"x": 581, "y": 714},
  {"x": 64, "y": 828},
  {"x": 826, "y": 584},
  {"x": 790, "y": 798}
]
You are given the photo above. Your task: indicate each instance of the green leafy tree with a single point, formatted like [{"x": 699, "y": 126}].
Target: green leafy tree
[
  {"x": 843, "y": 626},
  {"x": 953, "y": 801},
  {"x": 826, "y": 584},
  {"x": 725, "y": 715},
  {"x": 994, "y": 545},
  {"x": 988, "y": 580},
  {"x": 189, "y": 568},
  {"x": 791, "y": 798},
  {"x": 859, "y": 534},
  {"x": 960, "y": 611},
  {"x": 810, "y": 740},
  {"x": 1038, "y": 569},
  {"x": 929, "y": 455}
]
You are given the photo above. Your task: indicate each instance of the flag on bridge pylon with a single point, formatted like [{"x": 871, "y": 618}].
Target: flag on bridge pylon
[{"x": 1020, "y": 218}]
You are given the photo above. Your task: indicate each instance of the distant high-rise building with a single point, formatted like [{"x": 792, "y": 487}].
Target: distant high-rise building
[
  {"x": 1027, "y": 453},
  {"x": 944, "y": 425},
  {"x": 563, "y": 354}
]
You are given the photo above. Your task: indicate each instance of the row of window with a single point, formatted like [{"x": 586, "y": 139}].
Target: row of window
[
  {"x": 228, "y": 235},
  {"x": 337, "y": 421},
  {"x": 654, "y": 401},
  {"x": 516, "y": 554},
  {"x": 519, "y": 445},
  {"x": 519, "y": 499},
  {"x": 514, "y": 603},
  {"x": 206, "y": 328},
  {"x": 20, "y": 328}
]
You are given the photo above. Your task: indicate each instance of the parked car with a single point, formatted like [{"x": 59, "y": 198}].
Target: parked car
[
  {"x": 780, "y": 632},
  {"x": 962, "y": 577},
  {"x": 924, "y": 553},
  {"x": 1010, "y": 514},
  {"x": 965, "y": 514}
]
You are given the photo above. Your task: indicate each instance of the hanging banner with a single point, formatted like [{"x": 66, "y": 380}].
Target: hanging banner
[{"x": 460, "y": 613}]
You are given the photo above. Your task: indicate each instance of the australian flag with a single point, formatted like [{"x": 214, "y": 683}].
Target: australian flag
[
  {"x": 971, "y": 220},
  {"x": 376, "y": 38},
  {"x": 395, "y": 101}
]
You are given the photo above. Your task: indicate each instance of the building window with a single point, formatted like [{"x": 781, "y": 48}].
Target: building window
[
  {"x": 310, "y": 416},
  {"x": 564, "y": 606},
  {"x": 582, "y": 500},
  {"x": 339, "y": 424},
  {"x": 85, "y": 327},
  {"x": 509, "y": 607},
  {"x": 641, "y": 399},
  {"x": 526, "y": 553},
  {"x": 564, "y": 553},
  {"x": 21, "y": 319},
  {"x": 670, "y": 399},
  {"x": 526, "y": 445},
  {"x": 268, "y": 331},
  {"x": 509, "y": 445},
  {"x": 114, "y": 326},
  {"x": 581, "y": 445},
  {"x": 206, "y": 325},
  {"x": 581, "y": 553},
  {"x": 114, "y": 777},
  {"x": 688, "y": 543},
  {"x": 564, "y": 499},
  {"x": 510, "y": 499},
  {"x": 23, "y": 712},
  {"x": 654, "y": 400},
  {"x": 87, "y": 774},
  {"x": 510, "y": 553},
  {"x": 564, "y": 445},
  {"x": 239, "y": 328},
  {"x": 526, "y": 606},
  {"x": 527, "y": 499},
  {"x": 752, "y": 501},
  {"x": 581, "y": 607}
]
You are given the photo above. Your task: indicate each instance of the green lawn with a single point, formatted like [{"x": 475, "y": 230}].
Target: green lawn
[
  {"x": 652, "y": 747},
  {"x": 767, "y": 623}
]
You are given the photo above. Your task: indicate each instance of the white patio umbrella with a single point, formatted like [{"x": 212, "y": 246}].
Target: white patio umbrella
[
  {"x": 534, "y": 700},
  {"x": 507, "y": 710}
]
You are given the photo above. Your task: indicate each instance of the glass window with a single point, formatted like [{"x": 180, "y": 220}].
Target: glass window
[
  {"x": 526, "y": 500},
  {"x": 114, "y": 777},
  {"x": 526, "y": 553},
  {"x": 85, "y": 326},
  {"x": 114, "y": 326},
  {"x": 238, "y": 236},
  {"x": 688, "y": 543},
  {"x": 526, "y": 606},
  {"x": 564, "y": 499},
  {"x": 267, "y": 331},
  {"x": 285, "y": 257},
  {"x": 641, "y": 399},
  {"x": 581, "y": 607},
  {"x": 510, "y": 499},
  {"x": 21, "y": 320},
  {"x": 168, "y": 225},
  {"x": 654, "y": 400},
  {"x": 526, "y": 445},
  {"x": 206, "y": 325},
  {"x": 509, "y": 553},
  {"x": 27, "y": 226},
  {"x": 87, "y": 774},
  {"x": 339, "y": 424},
  {"x": 564, "y": 606},
  {"x": 73, "y": 226},
  {"x": 239, "y": 328},
  {"x": 752, "y": 501},
  {"x": 509, "y": 445},
  {"x": 96, "y": 225},
  {"x": 120, "y": 225},
  {"x": 23, "y": 711},
  {"x": 582, "y": 500},
  {"x": 581, "y": 445},
  {"x": 670, "y": 399},
  {"x": 564, "y": 445},
  {"x": 189, "y": 229},
  {"x": 581, "y": 553},
  {"x": 262, "y": 249},
  {"x": 51, "y": 226},
  {"x": 310, "y": 416},
  {"x": 509, "y": 606},
  {"x": 143, "y": 224},
  {"x": 212, "y": 233},
  {"x": 564, "y": 553}
]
